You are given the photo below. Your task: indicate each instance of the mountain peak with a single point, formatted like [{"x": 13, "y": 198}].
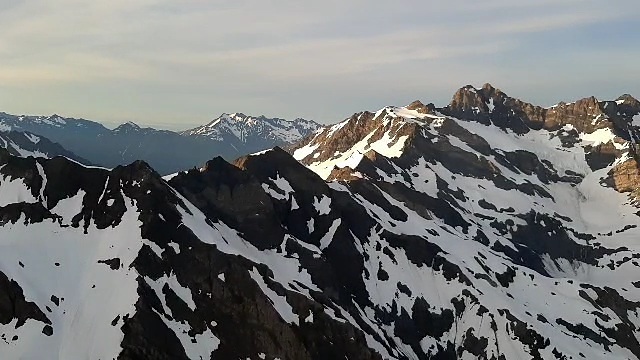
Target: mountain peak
[
  {"x": 488, "y": 86},
  {"x": 128, "y": 126},
  {"x": 483, "y": 93},
  {"x": 470, "y": 103},
  {"x": 237, "y": 116},
  {"x": 274, "y": 158},
  {"x": 590, "y": 104},
  {"x": 421, "y": 108},
  {"x": 627, "y": 99}
]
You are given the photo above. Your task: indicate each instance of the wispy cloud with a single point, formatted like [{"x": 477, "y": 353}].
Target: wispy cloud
[{"x": 200, "y": 57}]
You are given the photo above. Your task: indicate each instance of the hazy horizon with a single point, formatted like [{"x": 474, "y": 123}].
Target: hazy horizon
[{"x": 177, "y": 66}]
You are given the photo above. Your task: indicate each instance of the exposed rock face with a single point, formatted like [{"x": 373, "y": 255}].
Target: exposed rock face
[
  {"x": 491, "y": 105},
  {"x": 422, "y": 108},
  {"x": 625, "y": 177},
  {"x": 607, "y": 125},
  {"x": 15, "y": 308},
  {"x": 582, "y": 114}
]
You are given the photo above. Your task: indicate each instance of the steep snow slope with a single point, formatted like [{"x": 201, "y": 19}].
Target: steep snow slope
[
  {"x": 70, "y": 236},
  {"x": 105, "y": 264}
]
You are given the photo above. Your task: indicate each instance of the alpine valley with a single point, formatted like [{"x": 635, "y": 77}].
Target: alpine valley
[{"x": 489, "y": 228}]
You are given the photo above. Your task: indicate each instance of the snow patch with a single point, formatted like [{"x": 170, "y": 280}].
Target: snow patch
[
  {"x": 279, "y": 302},
  {"x": 323, "y": 205},
  {"x": 328, "y": 237}
]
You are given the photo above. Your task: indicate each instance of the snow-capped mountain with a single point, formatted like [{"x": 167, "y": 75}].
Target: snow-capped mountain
[
  {"x": 26, "y": 144},
  {"x": 239, "y": 128},
  {"x": 489, "y": 228},
  {"x": 166, "y": 151}
]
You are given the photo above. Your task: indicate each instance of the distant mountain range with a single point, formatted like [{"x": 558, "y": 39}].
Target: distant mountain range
[
  {"x": 261, "y": 132},
  {"x": 167, "y": 151}
]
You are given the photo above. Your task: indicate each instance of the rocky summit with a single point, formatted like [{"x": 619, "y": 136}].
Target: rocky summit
[{"x": 489, "y": 228}]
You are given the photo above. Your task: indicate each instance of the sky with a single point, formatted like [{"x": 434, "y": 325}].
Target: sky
[{"x": 178, "y": 64}]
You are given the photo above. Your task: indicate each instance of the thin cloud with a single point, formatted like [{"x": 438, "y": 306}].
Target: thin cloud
[{"x": 275, "y": 53}]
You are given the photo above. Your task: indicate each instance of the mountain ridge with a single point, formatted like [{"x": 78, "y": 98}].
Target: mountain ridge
[
  {"x": 28, "y": 144},
  {"x": 586, "y": 115},
  {"x": 246, "y": 128},
  {"x": 403, "y": 233},
  {"x": 166, "y": 150}
]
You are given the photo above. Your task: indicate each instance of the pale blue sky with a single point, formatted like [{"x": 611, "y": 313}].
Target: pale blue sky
[{"x": 177, "y": 64}]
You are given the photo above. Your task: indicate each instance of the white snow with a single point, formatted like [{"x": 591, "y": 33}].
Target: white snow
[
  {"x": 389, "y": 144},
  {"x": 175, "y": 247},
  {"x": 322, "y": 205},
  {"x": 328, "y": 236},
  {"x": 154, "y": 247},
  {"x": 337, "y": 127},
  {"x": 199, "y": 346},
  {"x": 43, "y": 176},
  {"x": 310, "y": 225},
  {"x": 405, "y": 113},
  {"x": 352, "y": 161},
  {"x": 260, "y": 152},
  {"x": 283, "y": 186},
  {"x": 33, "y": 138},
  {"x": 170, "y": 176},
  {"x": 279, "y": 302},
  {"x": 14, "y": 191},
  {"x": 243, "y": 128},
  {"x": 82, "y": 322},
  {"x": 309, "y": 318},
  {"x": 304, "y": 151},
  {"x": 598, "y": 137},
  {"x": 294, "y": 204},
  {"x": 24, "y": 152},
  {"x": 182, "y": 292}
]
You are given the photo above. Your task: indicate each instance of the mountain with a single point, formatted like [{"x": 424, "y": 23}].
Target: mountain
[
  {"x": 27, "y": 144},
  {"x": 260, "y": 132},
  {"x": 166, "y": 151},
  {"x": 489, "y": 228}
]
